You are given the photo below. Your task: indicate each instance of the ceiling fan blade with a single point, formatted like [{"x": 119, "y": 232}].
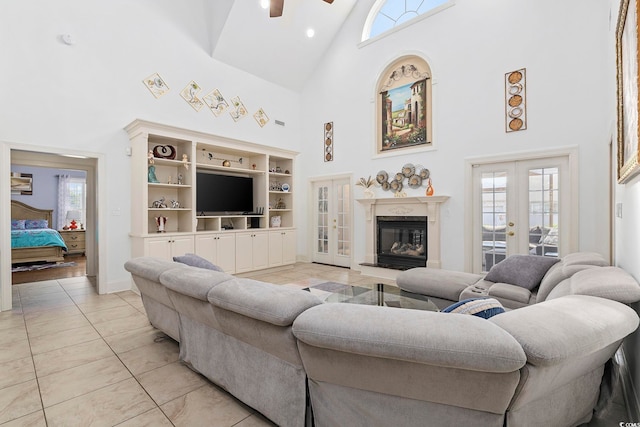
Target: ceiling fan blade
[
  {"x": 328, "y": 1},
  {"x": 275, "y": 8}
]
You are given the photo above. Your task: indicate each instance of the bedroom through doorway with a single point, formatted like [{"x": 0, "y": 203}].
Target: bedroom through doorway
[{"x": 65, "y": 186}]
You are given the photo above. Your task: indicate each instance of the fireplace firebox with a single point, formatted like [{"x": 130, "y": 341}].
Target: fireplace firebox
[{"x": 402, "y": 241}]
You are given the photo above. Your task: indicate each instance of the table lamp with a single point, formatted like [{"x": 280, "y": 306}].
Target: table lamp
[{"x": 73, "y": 215}]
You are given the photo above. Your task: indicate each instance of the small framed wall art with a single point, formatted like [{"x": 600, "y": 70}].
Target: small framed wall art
[
  {"x": 515, "y": 100},
  {"x": 261, "y": 117},
  {"x": 328, "y": 142},
  {"x": 190, "y": 94},
  {"x": 216, "y": 102},
  {"x": 156, "y": 85}
]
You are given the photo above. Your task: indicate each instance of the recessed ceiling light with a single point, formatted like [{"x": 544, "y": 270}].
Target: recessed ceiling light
[
  {"x": 310, "y": 32},
  {"x": 264, "y": 4}
]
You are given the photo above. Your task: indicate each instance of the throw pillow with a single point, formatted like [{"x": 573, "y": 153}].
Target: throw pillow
[
  {"x": 32, "y": 224},
  {"x": 17, "y": 224},
  {"x": 197, "y": 261},
  {"x": 525, "y": 271},
  {"x": 480, "y": 307}
]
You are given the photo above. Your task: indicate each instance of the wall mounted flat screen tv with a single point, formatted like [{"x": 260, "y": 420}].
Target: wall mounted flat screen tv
[{"x": 223, "y": 194}]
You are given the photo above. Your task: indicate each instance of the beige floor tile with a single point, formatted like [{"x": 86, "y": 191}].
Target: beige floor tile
[
  {"x": 10, "y": 320},
  {"x": 129, "y": 340},
  {"x": 62, "y": 339},
  {"x": 149, "y": 357},
  {"x": 74, "y": 382},
  {"x": 130, "y": 297},
  {"x": 55, "y": 314},
  {"x": 19, "y": 400},
  {"x": 16, "y": 371},
  {"x": 170, "y": 381},
  {"x": 107, "y": 406},
  {"x": 77, "y": 279},
  {"x": 41, "y": 286},
  {"x": 31, "y": 292},
  {"x": 52, "y": 326},
  {"x": 111, "y": 314},
  {"x": 7, "y": 336},
  {"x": 116, "y": 326},
  {"x": 88, "y": 303},
  {"x": 70, "y": 357},
  {"x": 17, "y": 350},
  {"x": 81, "y": 291},
  {"x": 206, "y": 403},
  {"x": 152, "y": 418},
  {"x": 35, "y": 419},
  {"x": 255, "y": 420},
  {"x": 49, "y": 304}
]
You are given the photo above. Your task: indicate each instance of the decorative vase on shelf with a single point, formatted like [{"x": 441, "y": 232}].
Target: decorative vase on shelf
[
  {"x": 152, "y": 174},
  {"x": 430, "y": 190}
]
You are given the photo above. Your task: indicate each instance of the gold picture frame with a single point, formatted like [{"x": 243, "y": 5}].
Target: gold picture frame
[{"x": 627, "y": 90}]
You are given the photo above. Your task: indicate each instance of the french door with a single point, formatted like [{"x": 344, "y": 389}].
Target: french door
[
  {"x": 332, "y": 222},
  {"x": 522, "y": 207}
]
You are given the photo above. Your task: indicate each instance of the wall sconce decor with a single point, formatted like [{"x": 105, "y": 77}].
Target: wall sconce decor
[
  {"x": 515, "y": 100},
  {"x": 328, "y": 141}
]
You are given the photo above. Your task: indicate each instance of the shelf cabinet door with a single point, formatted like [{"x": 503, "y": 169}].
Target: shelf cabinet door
[
  {"x": 282, "y": 247},
  {"x": 219, "y": 248},
  {"x": 252, "y": 251},
  {"x": 167, "y": 247}
]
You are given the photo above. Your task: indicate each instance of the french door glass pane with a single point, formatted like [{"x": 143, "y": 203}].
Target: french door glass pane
[
  {"x": 494, "y": 218},
  {"x": 543, "y": 211},
  {"x": 344, "y": 245},
  {"x": 323, "y": 221}
]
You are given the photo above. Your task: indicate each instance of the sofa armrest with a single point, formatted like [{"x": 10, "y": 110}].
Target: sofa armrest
[
  {"x": 435, "y": 282},
  {"x": 150, "y": 268},
  {"x": 263, "y": 301},
  {"x": 558, "y": 330},
  {"x": 440, "y": 339}
]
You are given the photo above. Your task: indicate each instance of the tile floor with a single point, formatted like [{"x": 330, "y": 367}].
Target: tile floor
[{"x": 71, "y": 357}]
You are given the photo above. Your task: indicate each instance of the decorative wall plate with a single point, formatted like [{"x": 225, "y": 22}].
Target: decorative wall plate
[
  {"x": 164, "y": 152},
  {"x": 515, "y": 92},
  {"x": 515, "y": 77},
  {"x": 382, "y": 177},
  {"x": 425, "y": 173},
  {"x": 414, "y": 181},
  {"x": 408, "y": 170}
]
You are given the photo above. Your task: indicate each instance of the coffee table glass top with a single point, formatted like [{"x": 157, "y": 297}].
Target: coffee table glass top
[{"x": 380, "y": 294}]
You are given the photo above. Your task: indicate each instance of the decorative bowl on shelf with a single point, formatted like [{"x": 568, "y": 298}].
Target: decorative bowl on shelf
[{"x": 285, "y": 187}]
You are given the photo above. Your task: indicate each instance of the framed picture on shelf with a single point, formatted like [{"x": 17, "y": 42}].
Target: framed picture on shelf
[
  {"x": 22, "y": 183},
  {"x": 627, "y": 90}
]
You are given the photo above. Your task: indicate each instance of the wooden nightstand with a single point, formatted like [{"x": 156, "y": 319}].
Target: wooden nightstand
[{"x": 74, "y": 239}]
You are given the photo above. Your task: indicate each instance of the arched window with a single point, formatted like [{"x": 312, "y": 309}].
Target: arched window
[
  {"x": 404, "y": 106},
  {"x": 389, "y": 14}
]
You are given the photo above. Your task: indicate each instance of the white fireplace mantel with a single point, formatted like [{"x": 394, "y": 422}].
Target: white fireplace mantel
[{"x": 403, "y": 206}]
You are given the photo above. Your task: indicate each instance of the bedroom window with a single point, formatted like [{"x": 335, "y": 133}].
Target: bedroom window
[{"x": 71, "y": 197}]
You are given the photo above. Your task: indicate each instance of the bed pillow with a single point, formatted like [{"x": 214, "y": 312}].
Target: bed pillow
[
  {"x": 31, "y": 224},
  {"x": 525, "y": 271},
  {"x": 197, "y": 261},
  {"x": 480, "y": 307},
  {"x": 17, "y": 224}
]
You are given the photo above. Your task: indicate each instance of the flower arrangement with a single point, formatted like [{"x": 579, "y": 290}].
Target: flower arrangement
[{"x": 366, "y": 183}]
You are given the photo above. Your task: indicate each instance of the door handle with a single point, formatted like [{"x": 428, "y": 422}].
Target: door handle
[
  {"x": 511, "y": 224},
  {"x": 511, "y": 233}
]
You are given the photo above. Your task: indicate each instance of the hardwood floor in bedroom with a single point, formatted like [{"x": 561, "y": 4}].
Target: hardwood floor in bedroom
[{"x": 53, "y": 273}]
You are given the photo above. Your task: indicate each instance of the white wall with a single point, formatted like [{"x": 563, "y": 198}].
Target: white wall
[
  {"x": 80, "y": 97},
  {"x": 470, "y": 47}
]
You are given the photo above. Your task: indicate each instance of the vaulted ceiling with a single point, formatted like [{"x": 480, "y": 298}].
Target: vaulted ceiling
[{"x": 276, "y": 49}]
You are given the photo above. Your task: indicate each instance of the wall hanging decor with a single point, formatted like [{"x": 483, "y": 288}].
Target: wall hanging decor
[
  {"x": 216, "y": 102},
  {"x": 328, "y": 141},
  {"x": 190, "y": 94},
  {"x": 261, "y": 117},
  {"x": 414, "y": 175},
  {"x": 238, "y": 110},
  {"x": 404, "y": 105},
  {"x": 515, "y": 100},
  {"x": 627, "y": 70},
  {"x": 156, "y": 85}
]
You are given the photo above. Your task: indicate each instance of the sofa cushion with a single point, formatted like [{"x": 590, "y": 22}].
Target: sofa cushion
[
  {"x": 521, "y": 270},
  {"x": 197, "y": 261},
  {"x": 481, "y": 307},
  {"x": 505, "y": 291},
  {"x": 435, "y": 282},
  {"x": 606, "y": 282}
]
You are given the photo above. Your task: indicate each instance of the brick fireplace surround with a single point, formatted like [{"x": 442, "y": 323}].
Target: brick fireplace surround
[{"x": 401, "y": 206}]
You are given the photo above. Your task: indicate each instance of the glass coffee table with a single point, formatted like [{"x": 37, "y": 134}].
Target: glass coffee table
[{"x": 379, "y": 294}]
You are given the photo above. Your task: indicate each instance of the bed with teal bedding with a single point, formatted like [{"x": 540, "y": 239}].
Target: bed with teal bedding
[{"x": 34, "y": 244}]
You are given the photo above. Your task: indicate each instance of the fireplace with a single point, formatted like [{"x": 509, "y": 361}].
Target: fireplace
[{"x": 401, "y": 241}]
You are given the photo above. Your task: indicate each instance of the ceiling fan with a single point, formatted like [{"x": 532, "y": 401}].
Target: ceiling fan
[{"x": 276, "y": 6}]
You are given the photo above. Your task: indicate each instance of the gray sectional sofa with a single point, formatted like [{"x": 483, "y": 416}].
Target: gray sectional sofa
[{"x": 296, "y": 359}]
